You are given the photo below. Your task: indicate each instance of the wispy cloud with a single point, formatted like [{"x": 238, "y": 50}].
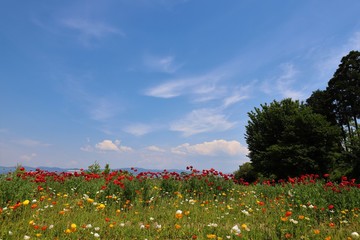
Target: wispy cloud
[
  {"x": 138, "y": 129},
  {"x": 102, "y": 108},
  {"x": 329, "y": 60},
  {"x": 202, "y": 120},
  {"x": 164, "y": 64},
  {"x": 88, "y": 30},
  {"x": 31, "y": 143},
  {"x": 99, "y": 108},
  {"x": 199, "y": 86},
  {"x": 283, "y": 83},
  {"x": 155, "y": 149},
  {"x": 237, "y": 95},
  {"x": 28, "y": 157},
  {"x": 213, "y": 148},
  {"x": 108, "y": 145}
]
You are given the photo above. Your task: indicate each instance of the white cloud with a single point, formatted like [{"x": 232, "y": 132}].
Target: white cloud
[
  {"x": 238, "y": 95},
  {"x": 31, "y": 143},
  {"x": 330, "y": 59},
  {"x": 138, "y": 129},
  {"x": 283, "y": 84},
  {"x": 87, "y": 148},
  {"x": 200, "y": 87},
  {"x": 214, "y": 148},
  {"x": 155, "y": 149},
  {"x": 89, "y": 29},
  {"x": 28, "y": 157},
  {"x": 102, "y": 109},
  {"x": 161, "y": 64},
  {"x": 200, "y": 121},
  {"x": 108, "y": 145},
  {"x": 171, "y": 89}
]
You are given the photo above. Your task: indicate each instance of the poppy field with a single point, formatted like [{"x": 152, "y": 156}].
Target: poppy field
[{"x": 195, "y": 204}]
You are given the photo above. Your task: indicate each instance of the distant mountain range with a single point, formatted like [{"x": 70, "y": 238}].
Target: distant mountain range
[{"x": 57, "y": 169}]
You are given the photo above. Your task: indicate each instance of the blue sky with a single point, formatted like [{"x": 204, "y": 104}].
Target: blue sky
[{"x": 157, "y": 84}]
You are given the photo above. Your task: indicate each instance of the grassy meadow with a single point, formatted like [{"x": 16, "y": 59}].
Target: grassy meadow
[{"x": 203, "y": 204}]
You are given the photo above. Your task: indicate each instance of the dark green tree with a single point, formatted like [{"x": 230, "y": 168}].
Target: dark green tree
[
  {"x": 288, "y": 139},
  {"x": 246, "y": 173},
  {"x": 344, "y": 91},
  {"x": 321, "y": 103}
]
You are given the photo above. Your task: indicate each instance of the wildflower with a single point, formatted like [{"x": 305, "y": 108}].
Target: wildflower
[
  {"x": 26, "y": 237},
  {"x": 328, "y": 238},
  {"x": 245, "y": 212},
  {"x": 62, "y": 212},
  {"x": 38, "y": 235},
  {"x": 96, "y": 235},
  {"x": 11, "y": 233},
  {"x": 245, "y": 227},
  {"x": 51, "y": 226},
  {"x": 73, "y": 227},
  {"x": 316, "y": 231},
  {"x": 26, "y": 202},
  {"x": 97, "y": 228},
  {"x": 235, "y": 229},
  {"x": 178, "y": 214},
  {"x": 212, "y": 225},
  {"x": 211, "y": 236},
  {"x": 177, "y": 226},
  {"x": 101, "y": 206},
  {"x": 301, "y": 217},
  {"x": 88, "y": 226},
  {"x": 192, "y": 201},
  {"x": 354, "y": 235},
  {"x": 288, "y": 235},
  {"x": 288, "y": 214},
  {"x": 67, "y": 231},
  {"x": 293, "y": 221}
]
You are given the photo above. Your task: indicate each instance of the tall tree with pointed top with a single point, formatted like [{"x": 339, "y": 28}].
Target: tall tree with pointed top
[{"x": 344, "y": 91}]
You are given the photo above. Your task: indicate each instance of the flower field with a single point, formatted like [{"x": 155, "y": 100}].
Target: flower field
[{"x": 193, "y": 205}]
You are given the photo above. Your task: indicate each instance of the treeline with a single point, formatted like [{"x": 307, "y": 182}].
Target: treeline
[{"x": 321, "y": 135}]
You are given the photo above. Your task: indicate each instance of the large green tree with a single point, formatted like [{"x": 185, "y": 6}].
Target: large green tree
[
  {"x": 340, "y": 103},
  {"x": 288, "y": 139}
]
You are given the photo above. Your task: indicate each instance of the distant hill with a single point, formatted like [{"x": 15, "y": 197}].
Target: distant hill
[{"x": 57, "y": 169}]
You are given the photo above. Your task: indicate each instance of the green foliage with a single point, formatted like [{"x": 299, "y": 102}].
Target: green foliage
[
  {"x": 107, "y": 169},
  {"x": 94, "y": 168},
  {"x": 246, "y": 173},
  {"x": 287, "y": 139}
]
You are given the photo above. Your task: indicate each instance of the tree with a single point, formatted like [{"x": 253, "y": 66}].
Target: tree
[
  {"x": 344, "y": 91},
  {"x": 288, "y": 139},
  {"x": 246, "y": 173},
  {"x": 321, "y": 103}
]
